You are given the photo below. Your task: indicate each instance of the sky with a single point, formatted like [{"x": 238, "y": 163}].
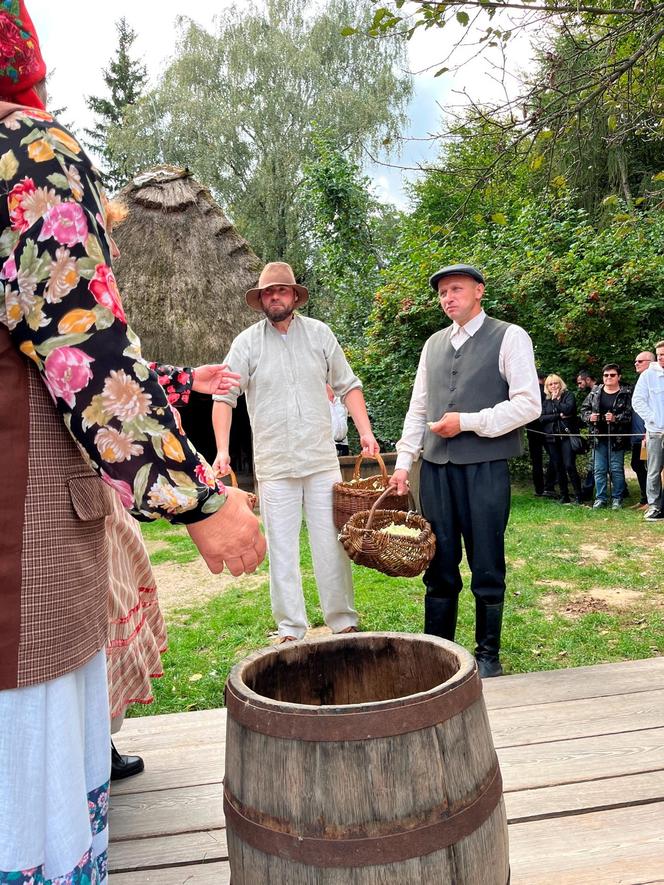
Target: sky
[{"x": 75, "y": 60}]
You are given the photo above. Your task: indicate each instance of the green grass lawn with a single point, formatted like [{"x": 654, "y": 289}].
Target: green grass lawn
[{"x": 583, "y": 588}]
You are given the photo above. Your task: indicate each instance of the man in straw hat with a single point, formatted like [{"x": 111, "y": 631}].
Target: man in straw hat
[
  {"x": 70, "y": 367},
  {"x": 476, "y": 385},
  {"x": 284, "y": 362}
]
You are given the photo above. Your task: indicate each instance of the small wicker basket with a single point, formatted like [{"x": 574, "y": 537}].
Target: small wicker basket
[
  {"x": 395, "y": 555},
  {"x": 356, "y": 495}
]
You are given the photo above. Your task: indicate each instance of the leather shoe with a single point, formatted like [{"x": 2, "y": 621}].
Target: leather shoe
[
  {"x": 124, "y": 766},
  {"x": 488, "y": 627},
  {"x": 489, "y": 667}
]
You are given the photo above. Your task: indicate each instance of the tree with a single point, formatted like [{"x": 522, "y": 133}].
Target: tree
[
  {"x": 340, "y": 227},
  {"x": 587, "y": 290},
  {"x": 613, "y": 147},
  {"x": 598, "y": 82},
  {"x": 125, "y": 79},
  {"x": 238, "y": 107}
]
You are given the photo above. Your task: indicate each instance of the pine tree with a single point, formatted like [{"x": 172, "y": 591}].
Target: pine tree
[{"x": 125, "y": 78}]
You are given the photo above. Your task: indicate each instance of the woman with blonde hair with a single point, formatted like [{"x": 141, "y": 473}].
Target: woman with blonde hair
[{"x": 559, "y": 421}]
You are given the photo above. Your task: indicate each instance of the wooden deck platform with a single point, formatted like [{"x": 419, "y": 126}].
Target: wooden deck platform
[{"x": 582, "y": 757}]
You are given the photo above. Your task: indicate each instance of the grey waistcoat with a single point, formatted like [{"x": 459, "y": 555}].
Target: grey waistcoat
[{"x": 467, "y": 380}]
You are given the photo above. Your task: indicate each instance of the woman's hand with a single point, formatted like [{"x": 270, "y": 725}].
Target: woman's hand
[
  {"x": 399, "y": 481},
  {"x": 231, "y": 537},
  {"x": 214, "y": 379}
]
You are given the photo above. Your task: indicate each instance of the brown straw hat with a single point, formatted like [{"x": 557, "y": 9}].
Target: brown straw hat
[{"x": 276, "y": 273}]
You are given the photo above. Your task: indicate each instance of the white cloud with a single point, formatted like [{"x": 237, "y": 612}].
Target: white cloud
[{"x": 77, "y": 42}]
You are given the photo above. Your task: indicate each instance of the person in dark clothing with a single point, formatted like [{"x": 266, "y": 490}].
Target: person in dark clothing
[
  {"x": 544, "y": 482},
  {"x": 559, "y": 417},
  {"x": 607, "y": 410},
  {"x": 585, "y": 381},
  {"x": 475, "y": 388}
]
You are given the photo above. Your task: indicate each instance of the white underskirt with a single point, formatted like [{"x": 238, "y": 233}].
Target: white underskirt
[{"x": 54, "y": 774}]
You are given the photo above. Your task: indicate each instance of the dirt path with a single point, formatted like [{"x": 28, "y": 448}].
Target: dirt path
[{"x": 191, "y": 584}]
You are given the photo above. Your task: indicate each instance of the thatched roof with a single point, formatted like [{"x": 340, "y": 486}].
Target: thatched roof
[{"x": 183, "y": 269}]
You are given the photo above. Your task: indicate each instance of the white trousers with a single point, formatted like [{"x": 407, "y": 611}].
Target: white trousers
[{"x": 281, "y": 502}]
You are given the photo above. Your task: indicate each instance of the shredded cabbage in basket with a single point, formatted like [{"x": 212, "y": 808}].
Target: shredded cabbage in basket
[{"x": 405, "y": 531}]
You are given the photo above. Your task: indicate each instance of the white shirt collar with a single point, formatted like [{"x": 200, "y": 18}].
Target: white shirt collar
[{"x": 471, "y": 326}]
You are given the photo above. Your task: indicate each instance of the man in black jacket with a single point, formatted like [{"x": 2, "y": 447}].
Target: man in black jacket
[{"x": 607, "y": 410}]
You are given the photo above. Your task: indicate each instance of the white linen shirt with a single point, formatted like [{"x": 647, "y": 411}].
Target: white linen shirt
[
  {"x": 284, "y": 378},
  {"x": 516, "y": 364},
  {"x": 648, "y": 398}
]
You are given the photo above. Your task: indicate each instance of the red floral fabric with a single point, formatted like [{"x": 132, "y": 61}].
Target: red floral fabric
[
  {"x": 21, "y": 62},
  {"x": 60, "y": 302}
]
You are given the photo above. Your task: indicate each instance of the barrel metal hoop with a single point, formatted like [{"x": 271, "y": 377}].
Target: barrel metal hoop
[
  {"x": 394, "y": 847},
  {"x": 343, "y": 725}
]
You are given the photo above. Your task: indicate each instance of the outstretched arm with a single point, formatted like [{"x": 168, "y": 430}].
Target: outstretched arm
[
  {"x": 60, "y": 302},
  {"x": 179, "y": 381}
]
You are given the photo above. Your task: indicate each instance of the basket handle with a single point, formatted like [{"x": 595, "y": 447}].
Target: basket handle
[
  {"x": 390, "y": 490},
  {"x": 232, "y": 475},
  {"x": 381, "y": 464}
]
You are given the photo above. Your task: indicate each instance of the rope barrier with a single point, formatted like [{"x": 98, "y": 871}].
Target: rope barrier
[{"x": 637, "y": 436}]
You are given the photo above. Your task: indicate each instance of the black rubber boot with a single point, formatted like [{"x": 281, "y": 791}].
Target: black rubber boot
[
  {"x": 440, "y": 616},
  {"x": 488, "y": 624},
  {"x": 124, "y": 766}
]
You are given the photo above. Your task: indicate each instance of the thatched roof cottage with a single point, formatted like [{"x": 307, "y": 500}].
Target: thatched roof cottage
[
  {"x": 183, "y": 272},
  {"x": 183, "y": 268}
]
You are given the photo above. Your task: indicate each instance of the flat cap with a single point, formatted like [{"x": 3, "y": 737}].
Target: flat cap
[{"x": 466, "y": 269}]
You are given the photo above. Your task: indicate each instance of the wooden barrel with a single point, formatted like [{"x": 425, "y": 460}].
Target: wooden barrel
[{"x": 364, "y": 758}]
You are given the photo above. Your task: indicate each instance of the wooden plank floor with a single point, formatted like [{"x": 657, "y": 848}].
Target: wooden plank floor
[{"x": 582, "y": 756}]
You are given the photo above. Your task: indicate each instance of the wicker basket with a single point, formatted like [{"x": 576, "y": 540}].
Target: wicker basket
[
  {"x": 395, "y": 555},
  {"x": 358, "y": 494}
]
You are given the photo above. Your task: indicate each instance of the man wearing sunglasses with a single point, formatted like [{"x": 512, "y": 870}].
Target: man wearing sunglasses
[
  {"x": 649, "y": 404},
  {"x": 642, "y": 362},
  {"x": 607, "y": 410}
]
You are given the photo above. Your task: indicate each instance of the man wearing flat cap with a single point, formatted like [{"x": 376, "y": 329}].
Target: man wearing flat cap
[
  {"x": 476, "y": 386},
  {"x": 285, "y": 361}
]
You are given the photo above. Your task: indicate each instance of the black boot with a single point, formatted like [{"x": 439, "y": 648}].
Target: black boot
[
  {"x": 440, "y": 616},
  {"x": 488, "y": 624},
  {"x": 124, "y": 766}
]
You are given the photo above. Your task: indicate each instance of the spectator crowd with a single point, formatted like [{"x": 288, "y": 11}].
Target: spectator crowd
[{"x": 619, "y": 418}]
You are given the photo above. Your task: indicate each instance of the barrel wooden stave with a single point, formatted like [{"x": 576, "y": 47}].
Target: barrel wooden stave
[
  {"x": 479, "y": 859},
  {"x": 404, "y": 775},
  {"x": 356, "y": 789},
  {"x": 439, "y": 868}
]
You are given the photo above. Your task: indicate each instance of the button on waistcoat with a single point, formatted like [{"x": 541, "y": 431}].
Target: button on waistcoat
[{"x": 467, "y": 380}]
